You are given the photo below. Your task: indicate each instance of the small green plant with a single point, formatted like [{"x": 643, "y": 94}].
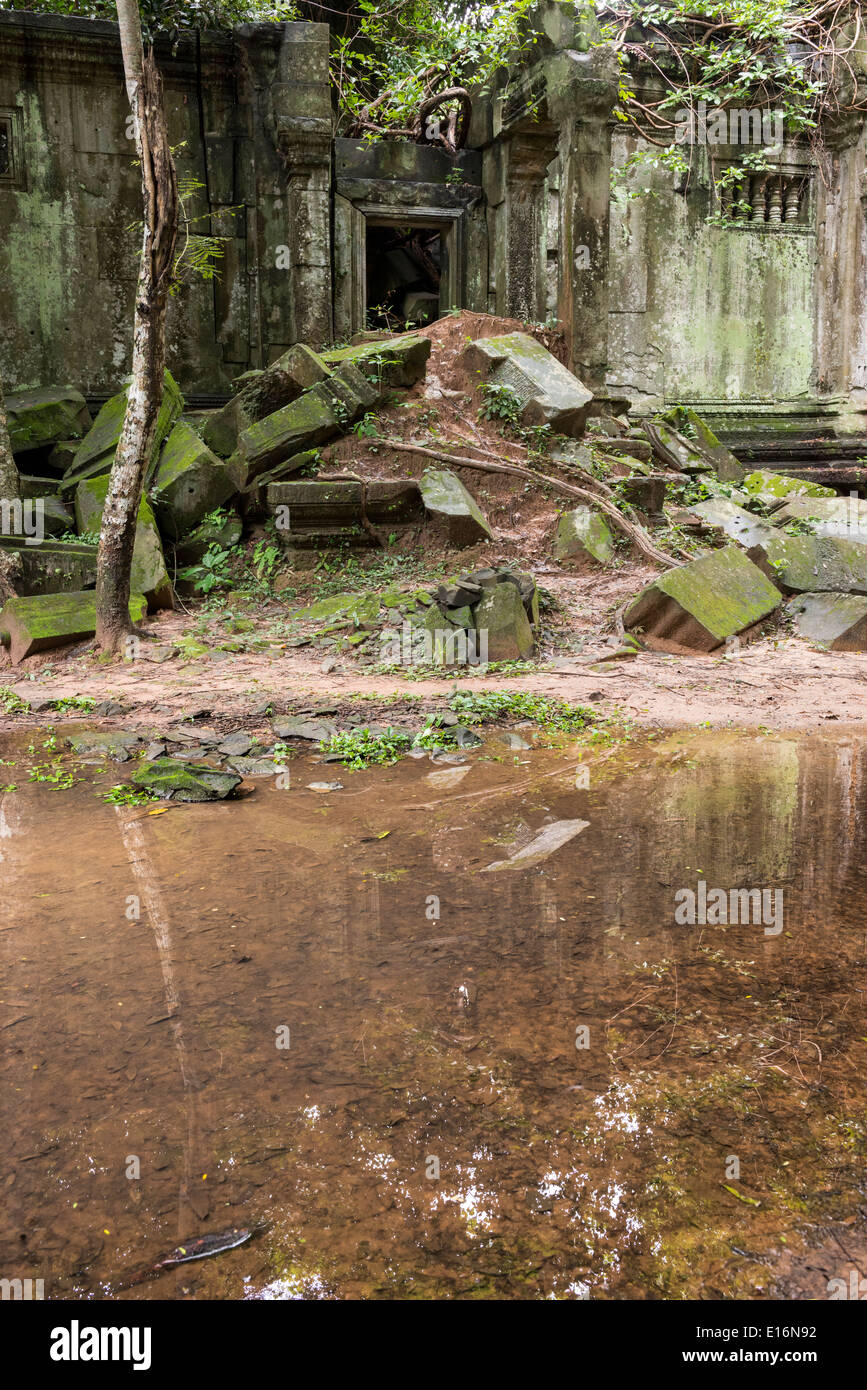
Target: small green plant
[
  {"x": 360, "y": 748},
  {"x": 11, "y": 703},
  {"x": 500, "y": 402},
  {"x": 71, "y": 702},
  {"x": 212, "y": 571},
  {"x": 478, "y": 707},
  {"x": 265, "y": 558},
  {"x": 367, "y": 427},
  {"x": 125, "y": 795},
  {"x": 54, "y": 773}
]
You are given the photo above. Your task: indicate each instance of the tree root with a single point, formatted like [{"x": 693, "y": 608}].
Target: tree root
[{"x": 636, "y": 533}]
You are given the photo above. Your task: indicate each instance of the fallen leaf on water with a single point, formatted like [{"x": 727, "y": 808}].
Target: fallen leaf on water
[{"x": 750, "y": 1201}]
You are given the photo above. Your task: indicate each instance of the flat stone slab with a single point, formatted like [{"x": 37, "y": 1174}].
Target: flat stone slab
[
  {"x": 399, "y": 361},
  {"x": 779, "y": 486},
  {"x": 695, "y": 607},
  {"x": 549, "y": 393},
  {"x": 739, "y": 525},
  {"x": 676, "y": 450},
  {"x": 37, "y": 418},
  {"x": 835, "y": 621},
  {"x": 549, "y": 839},
  {"x": 53, "y": 567},
  {"x": 114, "y": 743},
  {"x": 173, "y": 780},
  {"x": 315, "y": 730},
  {"x": 190, "y": 482},
  {"x": 812, "y": 564},
  {"x": 845, "y": 517},
  {"x": 149, "y": 574},
  {"x": 446, "y": 499},
  {"x": 691, "y": 426},
  {"x": 45, "y": 621},
  {"x": 583, "y": 537}
]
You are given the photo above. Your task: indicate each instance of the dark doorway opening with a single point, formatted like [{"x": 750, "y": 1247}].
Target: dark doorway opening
[{"x": 404, "y": 272}]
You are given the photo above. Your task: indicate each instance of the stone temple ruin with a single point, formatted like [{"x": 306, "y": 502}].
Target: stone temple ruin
[{"x": 737, "y": 349}]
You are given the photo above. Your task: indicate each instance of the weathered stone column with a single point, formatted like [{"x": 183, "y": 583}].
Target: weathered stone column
[
  {"x": 526, "y": 159},
  {"x": 581, "y": 93},
  {"x": 302, "y": 112}
]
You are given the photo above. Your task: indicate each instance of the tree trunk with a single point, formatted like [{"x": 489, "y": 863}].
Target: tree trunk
[
  {"x": 160, "y": 196},
  {"x": 10, "y": 489}
]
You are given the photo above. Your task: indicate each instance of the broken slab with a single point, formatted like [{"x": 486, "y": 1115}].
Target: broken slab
[
  {"x": 835, "y": 621},
  {"x": 40, "y": 623},
  {"x": 95, "y": 454},
  {"x": 178, "y": 781},
  {"x": 304, "y": 424},
  {"x": 447, "y": 500},
  {"x": 502, "y": 623},
  {"x": 812, "y": 564},
  {"x": 583, "y": 537},
  {"x": 37, "y": 418},
  {"x": 149, "y": 575},
  {"x": 739, "y": 525},
  {"x": 313, "y": 515},
  {"x": 692, "y": 427},
  {"x": 399, "y": 361},
  {"x": 542, "y": 845},
  {"x": 775, "y": 487},
  {"x": 828, "y": 516},
  {"x": 675, "y": 450},
  {"x": 549, "y": 393},
  {"x": 190, "y": 483},
  {"x": 263, "y": 393},
  {"x": 696, "y": 606},
  {"x": 52, "y": 567}
]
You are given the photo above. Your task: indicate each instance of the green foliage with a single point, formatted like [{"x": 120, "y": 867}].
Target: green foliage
[
  {"x": 500, "y": 402},
  {"x": 125, "y": 795},
  {"x": 212, "y": 572},
  {"x": 173, "y": 16},
  {"x": 360, "y": 748},
  {"x": 11, "y": 703},
  {"x": 478, "y": 707}
]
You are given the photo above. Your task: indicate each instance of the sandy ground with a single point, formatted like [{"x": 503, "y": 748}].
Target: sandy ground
[{"x": 775, "y": 683}]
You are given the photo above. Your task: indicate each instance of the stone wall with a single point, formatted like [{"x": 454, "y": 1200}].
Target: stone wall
[{"x": 250, "y": 119}]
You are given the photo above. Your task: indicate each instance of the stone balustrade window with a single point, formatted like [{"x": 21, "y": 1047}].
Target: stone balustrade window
[{"x": 769, "y": 200}]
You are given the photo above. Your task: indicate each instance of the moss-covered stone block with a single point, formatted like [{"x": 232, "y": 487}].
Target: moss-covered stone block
[
  {"x": 502, "y": 626},
  {"x": 178, "y": 781},
  {"x": 224, "y": 534},
  {"x": 45, "y": 621},
  {"x": 447, "y": 500},
  {"x": 812, "y": 564},
  {"x": 689, "y": 424},
  {"x": 549, "y": 393},
  {"x": 400, "y": 361},
  {"x": 845, "y": 517},
  {"x": 149, "y": 574},
  {"x": 190, "y": 482},
  {"x": 261, "y": 394},
  {"x": 583, "y": 538},
  {"x": 835, "y": 621},
  {"x": 739, "y": 525},
  {"x": 773, "y": 486},
  {"x": 306, "y": 423},
  {"x": 695, "y": 607},
  {"x": 95, "y": 454},
  {"x": 37, "y": 418}
]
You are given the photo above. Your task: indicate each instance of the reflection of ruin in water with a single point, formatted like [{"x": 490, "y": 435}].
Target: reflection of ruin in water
[{"x": 446, "y": 1031}]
